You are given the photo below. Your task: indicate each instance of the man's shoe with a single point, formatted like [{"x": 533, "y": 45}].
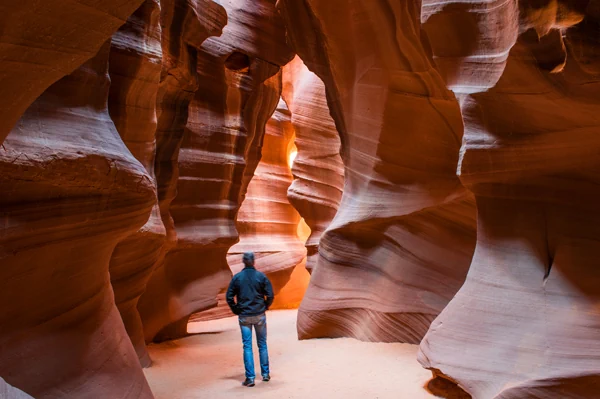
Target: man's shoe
[
  {"x": 266, "y": 378},
  {"x": 248, "y": 383}
]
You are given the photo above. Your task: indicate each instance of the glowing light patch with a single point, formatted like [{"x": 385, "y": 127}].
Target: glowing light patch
[{"x": 291, "y": 157}]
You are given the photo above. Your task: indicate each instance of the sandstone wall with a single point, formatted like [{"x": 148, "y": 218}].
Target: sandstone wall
[
  {"x": 213, "y": 161},
  {"x": 531, "y": 297},
  {"x": 71, "y": 191},
  {"x": 267, "y": 222},
  {"x": 400, "y": 244},
  {"x": 42, "y": 41},
  {"x": 134, "y": 68},
  {"x": 318, "y": 169},
  {"x": 185, "y": 25},
  {"x": 127, "y": 166}
]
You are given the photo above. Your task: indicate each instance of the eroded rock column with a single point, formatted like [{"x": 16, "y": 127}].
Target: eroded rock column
[
  {"x": 185, "y": 25},
  {"x": 526, "y": 321},
  {"x": 237, "y": 92},
  {"x": 400, "y": 244},
  {"x": 318, "y": 169},
  {"x": 71, "y": 190},
  {"x": 267, "y": 222},
  {"x": 135, "y": 66}
]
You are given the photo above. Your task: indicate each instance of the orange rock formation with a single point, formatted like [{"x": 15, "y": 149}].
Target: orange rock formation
[
  {"x": 318, "y": 169},
  {"x": 526, "y": 320},
  {"x": 400, "y": 244},
  {"x": 446, "y": 166},
  {"x": 206, "y": 167},
  {"x": 71, "y": 192}
]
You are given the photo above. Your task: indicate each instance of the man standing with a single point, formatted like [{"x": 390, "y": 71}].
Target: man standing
[{"x": 254, "y": 296}]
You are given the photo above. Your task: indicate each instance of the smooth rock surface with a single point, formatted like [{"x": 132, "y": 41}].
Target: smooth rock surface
[
  {"x": 42, "y": 41},
  {"x": 185, "y": 25},
  {"x": 401, "y": 242},
  {"x": 71, "y": 190},
  {"x": 318, "y": 169},
  {"x": 531, "y": 298},
  {"x": 267, "y": 222},
  {"x": 134, "y": 69},
  {"x": 218, "y": 151}
]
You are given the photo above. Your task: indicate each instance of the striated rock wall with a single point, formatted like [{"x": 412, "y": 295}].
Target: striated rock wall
[
  {"x": 135, "y": 66},
  {"x": 127, "y": 165},
  {"x": 267, "y": 222},
  {"x": 400, "y": 244},
  {"x": 530, "y": 157},
  {"x": 470, "y": 40},
  {"x": 42, "y": 41},
  {"x": 71, "y": 191},
  {"x": 185, "y": 25},
  {"x": 238, "y": 90},
  {"x": 318, "y": 169}
]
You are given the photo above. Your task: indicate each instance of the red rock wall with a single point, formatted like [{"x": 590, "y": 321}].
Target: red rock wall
[
  {"x": 400, "y": 244},
  {"x": 42, "y": 41},
  {"x": 185, "y": 25},
  {"x": 267, "y": 222},
  {"x": 135, "y": 65},
  {"x": 470, "y": 40},
  {"x": 531, "y": 297},
  {"x": 121, "y": 197},
  {"x": 318, "y": 170},
  {"x": 219, "y": 150},
  {"x": 71, "y": 192}
]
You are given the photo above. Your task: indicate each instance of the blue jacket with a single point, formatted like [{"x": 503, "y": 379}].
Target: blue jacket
[{"x": 253, "y": 290}]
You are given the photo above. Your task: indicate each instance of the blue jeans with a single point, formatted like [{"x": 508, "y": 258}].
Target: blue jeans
[{"x": 260, "y": 325}]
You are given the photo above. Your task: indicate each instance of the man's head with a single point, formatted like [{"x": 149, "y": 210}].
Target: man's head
[{"x": 248, "y": 259}]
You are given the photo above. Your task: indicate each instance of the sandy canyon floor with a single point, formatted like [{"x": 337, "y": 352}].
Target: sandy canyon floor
[{"x": 208, "y": 364}]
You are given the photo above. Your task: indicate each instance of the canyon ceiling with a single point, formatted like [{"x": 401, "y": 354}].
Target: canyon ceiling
[{"x": 434, "y": 166}]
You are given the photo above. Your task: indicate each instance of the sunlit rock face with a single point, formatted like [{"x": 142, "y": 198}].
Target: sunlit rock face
[
  {"x": 401, "y": 242},
  {"x": 71, "y": 190},
  {"x": 470, "y": 40},
  {"x": 267, "y": 222},
  {"x": 42, "y": 41},
  {"x": 212, "y": 161},
  {"x": 525, "y": 323},
  {"x": 318, "y": 169},
  {"x": 134, "y": 68}
]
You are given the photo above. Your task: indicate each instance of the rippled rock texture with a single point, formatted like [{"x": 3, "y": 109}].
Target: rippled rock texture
[
  {"x": 318, "y": 170},
  {"x": 267, "y": 222},
  {"x": 401, "y": 242},
  {"x": 525, "y": 323},
  {"x": 210, "y": 160},
  {"x": 185, "y": 25},
  {"x": 71, "y": 190},
  {"x": 131, "y": 132},
  {"x": 42, "y": 41},
  {"x": 135, "y": 65}
]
